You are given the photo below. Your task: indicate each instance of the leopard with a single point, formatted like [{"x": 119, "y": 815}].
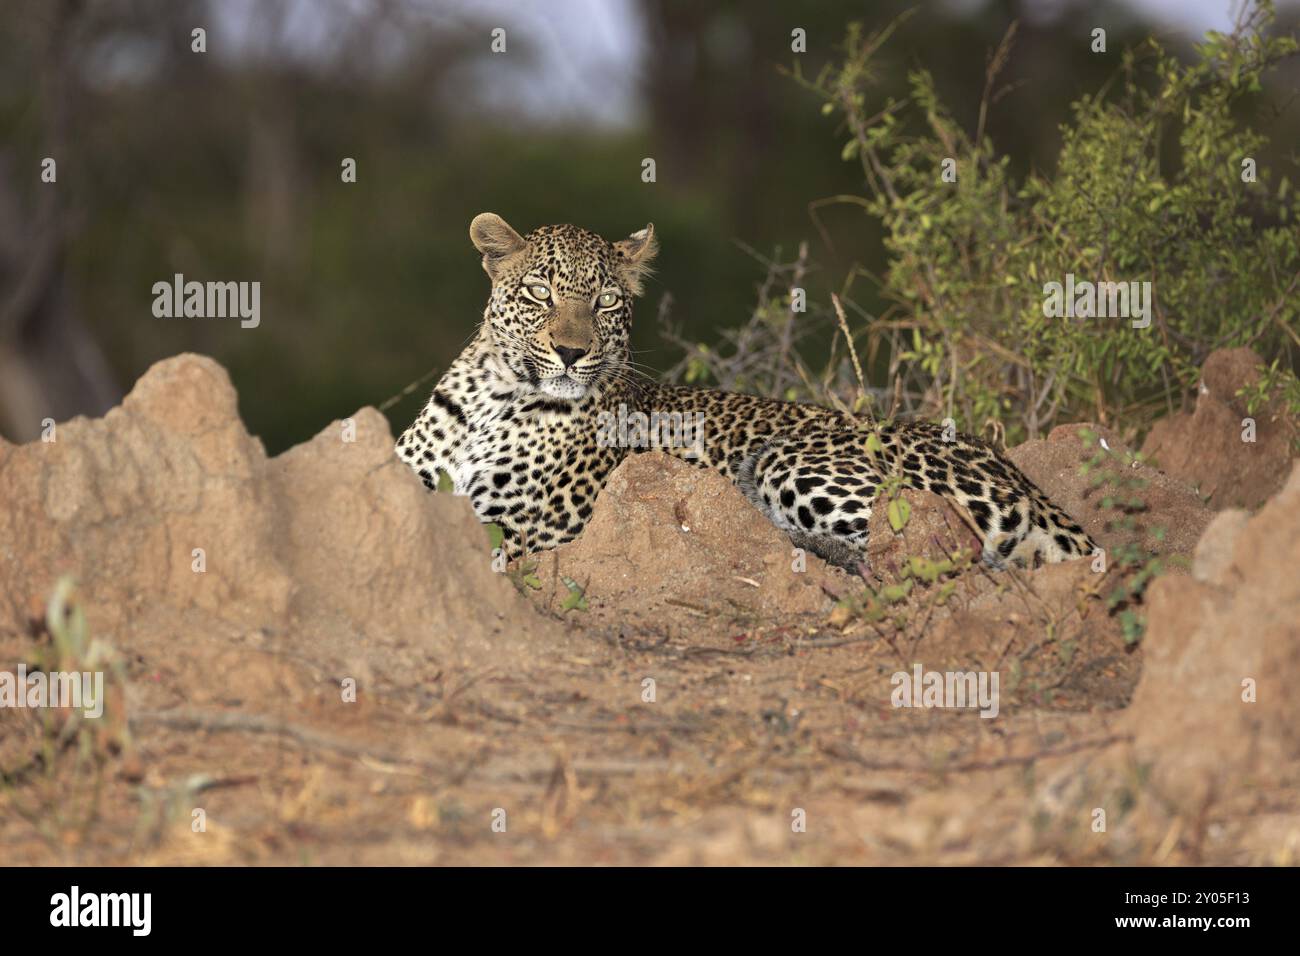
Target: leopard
[{"x": 544, "y": 402}]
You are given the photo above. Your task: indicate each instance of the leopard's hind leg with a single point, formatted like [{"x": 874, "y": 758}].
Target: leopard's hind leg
[{"x": 821, "y": 499}]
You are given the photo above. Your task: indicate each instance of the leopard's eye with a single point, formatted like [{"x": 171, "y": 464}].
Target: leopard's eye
[
  {"x": 608, "y": 300},
  {"x": 539, "y": 292}
]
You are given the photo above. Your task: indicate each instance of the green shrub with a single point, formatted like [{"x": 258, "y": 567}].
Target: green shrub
[{"x": 1149, "y": 187}]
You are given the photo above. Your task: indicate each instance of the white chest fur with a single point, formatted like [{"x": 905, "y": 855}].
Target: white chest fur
[{"x": 486, "y": 437}]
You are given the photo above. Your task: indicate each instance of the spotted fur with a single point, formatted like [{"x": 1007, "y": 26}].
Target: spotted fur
[{"x": 521, "y": 420}]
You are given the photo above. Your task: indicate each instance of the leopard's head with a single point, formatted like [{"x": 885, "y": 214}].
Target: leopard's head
[{"x": 560, "y": 315}]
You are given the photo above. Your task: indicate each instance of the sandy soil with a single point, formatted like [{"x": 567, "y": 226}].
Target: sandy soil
[{"x": 708, "y": 696}]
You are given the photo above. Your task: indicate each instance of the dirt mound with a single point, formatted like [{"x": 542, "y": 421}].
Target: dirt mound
[
  {"x": 241, "y": 593},
  {"x": 713, "y": 703},
  {"x": 933, "y": 529},
  {"x": 1170, "y": 518},
  {"x": 671, "y": 541},
  {"x": 677, "y": 552},
  {"x": 1223, "y": 654},
  {"x": 1046, "y": 627},
  {"x": 166, "y": 509},
  {"x": 1208, "y": 449}
]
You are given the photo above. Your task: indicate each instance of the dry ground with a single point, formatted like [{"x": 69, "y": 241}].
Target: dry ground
[{"x": 491, "y": 726}]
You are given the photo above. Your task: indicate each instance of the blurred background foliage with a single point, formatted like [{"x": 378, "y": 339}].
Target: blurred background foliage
[
  {"x": 1158, "y": 185},
  {"x": 226, "y": 166}
]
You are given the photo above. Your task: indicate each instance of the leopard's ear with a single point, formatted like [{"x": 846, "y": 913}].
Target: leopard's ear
[
  {"x": 635, "y": 254},
  {"x": 493, "y": 237}
]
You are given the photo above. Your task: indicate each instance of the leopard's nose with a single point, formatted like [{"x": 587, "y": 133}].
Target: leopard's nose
[{"x": 568, "y": 356}]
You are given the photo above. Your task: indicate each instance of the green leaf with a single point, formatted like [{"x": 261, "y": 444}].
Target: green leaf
[
  {"x": 894, "y": 593},
  {"x": 576, "y": 601},
  {"x": 1133, "y": 626},
  {"x": 899, "y": 513}
]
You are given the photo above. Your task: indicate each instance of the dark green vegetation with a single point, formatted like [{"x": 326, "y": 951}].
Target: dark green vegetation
[
  {"x": 228, "y": 167},
  {"x": 1159, "y": 180}
]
